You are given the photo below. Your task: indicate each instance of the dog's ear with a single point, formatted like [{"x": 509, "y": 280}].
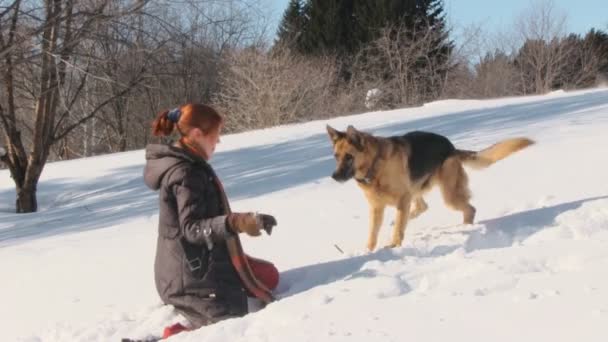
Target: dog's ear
[
  {"x": 334, "y": 134},
  {"x": 354, "y": 137}
]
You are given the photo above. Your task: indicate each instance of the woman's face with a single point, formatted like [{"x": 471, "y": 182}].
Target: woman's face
[{"x": 207, "y": 142}]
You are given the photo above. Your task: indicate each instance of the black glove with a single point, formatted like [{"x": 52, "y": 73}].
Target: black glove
[{"x": 268, "y": 222}]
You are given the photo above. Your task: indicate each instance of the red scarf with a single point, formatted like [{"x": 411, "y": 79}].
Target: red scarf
[
  {"x": 233, "y": 242},
  {"x": 239, "y": 259}
]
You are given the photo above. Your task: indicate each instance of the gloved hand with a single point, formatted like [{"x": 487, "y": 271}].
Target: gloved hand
[{"x": 250, "y": 223}]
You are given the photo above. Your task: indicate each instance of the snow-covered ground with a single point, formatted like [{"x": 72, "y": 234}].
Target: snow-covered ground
[{"x": 533, "y": 268}]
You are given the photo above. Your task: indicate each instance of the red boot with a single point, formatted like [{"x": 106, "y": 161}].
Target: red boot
[{"x": 173, "y": 330}]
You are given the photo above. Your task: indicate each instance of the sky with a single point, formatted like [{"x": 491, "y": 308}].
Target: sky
[{"x": 582, "y": 14}]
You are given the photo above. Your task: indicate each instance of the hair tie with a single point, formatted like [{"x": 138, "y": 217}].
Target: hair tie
[{"x": 174, "y": 114}]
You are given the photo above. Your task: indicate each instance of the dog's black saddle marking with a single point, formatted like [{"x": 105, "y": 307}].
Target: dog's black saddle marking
[{"x": 428, "y": 152}]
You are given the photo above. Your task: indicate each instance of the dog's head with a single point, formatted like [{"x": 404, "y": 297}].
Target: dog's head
[{"x": 351, "y": 152}]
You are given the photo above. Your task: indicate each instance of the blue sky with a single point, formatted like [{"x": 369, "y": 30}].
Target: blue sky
[{"x": 582, "y": 14}]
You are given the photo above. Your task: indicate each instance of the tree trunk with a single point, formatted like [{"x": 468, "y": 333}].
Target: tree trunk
[
  {"x": 26, "y": 185},
  {"x": 26, "y": 199},
  {"x": 122, "y": 144}
]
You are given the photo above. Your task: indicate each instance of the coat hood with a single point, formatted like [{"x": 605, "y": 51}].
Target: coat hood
[{"x": 160, "y": 158}]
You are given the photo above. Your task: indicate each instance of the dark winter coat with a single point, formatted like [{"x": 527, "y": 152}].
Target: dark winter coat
[{"x": 200, "y": 282}]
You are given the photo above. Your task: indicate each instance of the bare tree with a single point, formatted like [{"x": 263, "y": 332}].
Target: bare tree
[
  {"x": 49, "y": 41},
  {"x": 400, "y": 65},
  {"x": 588, "y": 56},
  {"x": 460, "y": 80},
  {"x": 495, "y": 76},
  {"x": 542, "y": 57},
  {"x": 262, "y": 89},
  {"x": 184, "y": 46}
]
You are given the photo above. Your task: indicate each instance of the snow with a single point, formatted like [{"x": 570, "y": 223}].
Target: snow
[
  {"x": 532, "y": 267},
  {"x": 372, "y": 97}
]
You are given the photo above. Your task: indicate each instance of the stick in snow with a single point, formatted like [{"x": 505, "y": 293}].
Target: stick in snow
[
  {"x": 150, "y": 339},
  {"x": 339, "y": 249}
]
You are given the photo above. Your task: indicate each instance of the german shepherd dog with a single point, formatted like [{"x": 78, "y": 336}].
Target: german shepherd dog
[{"x": 398, "y": 170}]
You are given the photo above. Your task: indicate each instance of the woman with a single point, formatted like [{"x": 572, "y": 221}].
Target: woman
[{"x": 200, "y": 268}]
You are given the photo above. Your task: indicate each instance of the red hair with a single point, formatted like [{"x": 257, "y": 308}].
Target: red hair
[{"x": 192, "y": 115}]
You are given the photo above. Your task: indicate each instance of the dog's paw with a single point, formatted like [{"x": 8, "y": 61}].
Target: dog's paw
[
  {"x": 393, "y": 245},
  {"x": 371, "y": 246},
  {"x": 414, "y": 214}
]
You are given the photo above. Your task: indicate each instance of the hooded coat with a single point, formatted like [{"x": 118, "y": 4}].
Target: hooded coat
[{"x": 192, "y": 270}]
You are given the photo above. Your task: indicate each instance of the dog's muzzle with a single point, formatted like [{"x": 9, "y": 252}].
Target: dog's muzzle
[
  {"x": 339, "y": 177},
  {"x": 344, "y": 172}
]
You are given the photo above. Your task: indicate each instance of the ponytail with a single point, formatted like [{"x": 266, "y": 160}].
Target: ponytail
[{"x": 165, "y": 122}]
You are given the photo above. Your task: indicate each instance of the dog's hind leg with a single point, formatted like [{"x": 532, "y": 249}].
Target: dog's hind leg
[
  {"x": 403, "y": 213},
  {"x": 376, "y": 216},
  {"x": 454, "y": 185},
  {"x": 420, "y": 207}
]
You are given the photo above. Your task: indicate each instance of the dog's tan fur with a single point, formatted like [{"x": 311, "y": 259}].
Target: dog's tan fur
[{"x": 392, "y": 183}]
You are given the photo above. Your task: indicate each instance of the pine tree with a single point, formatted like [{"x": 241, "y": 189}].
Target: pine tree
[
  {"x": 290, "y": 28},
  {"x": 328, "y": 28},
  {"x": 370, "y": 16},
  {"x": 432, "y": 15},
  {"x": 343, "y": 27},
  {"x": 587, "y": 60},
  {"x": 409, "y": 21},
  {"x": 599, "y": 40}
]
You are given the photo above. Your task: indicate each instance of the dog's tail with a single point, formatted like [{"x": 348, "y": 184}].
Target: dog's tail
[{"x": 486, "y": 157}]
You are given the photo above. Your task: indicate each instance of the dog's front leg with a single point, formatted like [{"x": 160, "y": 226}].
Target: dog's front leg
[
  {"x": 376, "y": 216},
  {"x": 403, "y": 212}
]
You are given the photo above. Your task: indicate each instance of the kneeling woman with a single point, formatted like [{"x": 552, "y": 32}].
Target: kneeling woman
[{"x": 200, "y": 267}]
